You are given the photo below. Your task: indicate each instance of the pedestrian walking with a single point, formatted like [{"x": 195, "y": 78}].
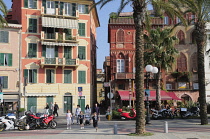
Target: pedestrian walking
[
  {"x": 51, "y": 108},
  {"x": 72, "y": 119},
  {"x": 77, "y": 112},
  {"x": 81, "y": 119},
  {"x": 95, "y": 119},
  {"x": 68, "y": 119},
  {"x": 96, "y": 109},
  {"x": 56, "y": 109},
  {"x": 47, "y": 109},
  {"x": 87, "y": 115}
]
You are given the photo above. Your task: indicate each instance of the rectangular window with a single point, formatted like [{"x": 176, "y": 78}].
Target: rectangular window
[
  {"x": 50, "y": 52},
  {"x": 30, "y": 75},
  {"x": 32, "y": 26},
  {"x": 120, "y": 65},
  {"x": 4, "y": 36},
  {"x": 168, "y": 86},
  {"x": 30, "y": 4},
  {"x": 166, "y": 20},
  {"x": 68, "y": 9},
  {"x": 50, "y": 76},
  {"x": 50, "y": 7},
  {"x": 81, "y": 52},
  {"x": 5, "y": 59},
  {"x": 81, "y": 30},
  {"x": 4, "y": 82},
  {"x": 32, "y": 50},
  {"x": 81, "y": 77},
  {"x": 68, "y": 34},
  {"x": 67, "y": 52},
  {"x": 83, "y": 8},
  {"x": 67, "y": 76}
]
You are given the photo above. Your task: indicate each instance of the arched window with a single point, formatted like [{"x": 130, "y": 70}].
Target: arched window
[
  {"x": 120, "y": 63},
  {"x": 181, "y": 37},
  {"x": 120, "y": 35},
  {"x": 182, "y": 63},
  {"x": 194, "y": 62}
]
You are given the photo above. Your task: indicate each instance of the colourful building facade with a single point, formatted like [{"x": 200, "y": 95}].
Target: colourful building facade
[{"x": 58, "y": 59}]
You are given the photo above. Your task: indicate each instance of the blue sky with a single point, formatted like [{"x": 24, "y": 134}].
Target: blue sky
[{"x": 102, "y": 31}]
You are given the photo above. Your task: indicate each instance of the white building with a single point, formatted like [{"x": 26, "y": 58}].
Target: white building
[{"x": 207, "y": 64}]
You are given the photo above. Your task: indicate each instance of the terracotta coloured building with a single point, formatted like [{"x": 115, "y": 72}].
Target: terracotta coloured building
[
  {"x": 58, "y": 58},
  {"x": 121, "y": 37}
]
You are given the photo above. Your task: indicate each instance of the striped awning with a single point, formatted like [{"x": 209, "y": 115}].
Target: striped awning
[
  {"x": 59, "y": 44},
  {"x": 40, "y": 94},
  {"x": 59, "y": 23}
]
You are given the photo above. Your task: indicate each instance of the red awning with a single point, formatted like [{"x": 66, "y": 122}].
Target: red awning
[
  {"x": 124, "y": 95},
  {"x": 173, "y": 95}
]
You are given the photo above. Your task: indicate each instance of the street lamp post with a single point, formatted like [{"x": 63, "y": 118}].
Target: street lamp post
[{"x": 149, "y": 68}]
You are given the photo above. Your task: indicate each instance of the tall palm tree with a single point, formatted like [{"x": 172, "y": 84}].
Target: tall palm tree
[
  {"x": 160, "y": 52},
  {"x": 201, "y": 10},
  {"x": 139, "y": 16},
  {"x": 3, "y": 14}
]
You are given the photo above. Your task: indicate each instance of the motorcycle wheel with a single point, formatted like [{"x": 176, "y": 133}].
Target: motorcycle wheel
[
  {"x": 123, "y": 118},
  {"x": 2, "y": 127},
  {"x": 154, "y": 117},
  {"x": 21, "y": 126},
  {"x": 53, "y": 124}
]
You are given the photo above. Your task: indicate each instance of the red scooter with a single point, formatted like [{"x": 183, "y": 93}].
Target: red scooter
[{"x": 127, "y": 115}]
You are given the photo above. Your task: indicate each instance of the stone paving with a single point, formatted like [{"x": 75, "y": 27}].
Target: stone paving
[{"x": 177, "y": 128}]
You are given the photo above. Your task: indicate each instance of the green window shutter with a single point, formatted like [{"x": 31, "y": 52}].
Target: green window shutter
[
  {"x": 34, "y": 75},
  {"x": 56, "y": 4},
  {"x": 74, "y": 7},
  {"x": 56, "y": 51},
  {"x": 35, "y": 4},
  {"x": 81, "y": 77},
  {"x": 34, "y": 50},
  {"x": 25, "y": 72},
  {"x": 81, "y": 52},
  {"x": 67, "y": 52},
  {"x": 5, "y": 36},
  {"x": 30, "y": 25},
  {"x": 48, "y": 75},
  {"x": 1, "y": 59},
  {"x": 34, "y": 25},
  {"x": 61, "y": 8},
  {"x": 5, "y": 81},
  {"x": 84, "y": 77},
  {"x": 44, "y": 5},
  {"x": 10, "y": 60},
  {"x": 82, "y": 29},
  {"x": 67, "y": 76},
  {"x": 26, "y": 3},
  {"x": 86, "y": 9},
  {"x": 30, "y": 50},
  {"x": 44, "y": 50}
]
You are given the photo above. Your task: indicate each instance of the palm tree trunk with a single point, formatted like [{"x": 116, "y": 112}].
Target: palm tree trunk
[
  {"x": 139, "y": 7},
  {"x": 200, "y": 40},
  {"x": 158, "y": 98}
]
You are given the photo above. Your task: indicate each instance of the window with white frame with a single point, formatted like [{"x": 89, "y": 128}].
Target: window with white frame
[
  {"x": 50, "y": 7},
  {"x": 68, "y": 9},
  {"x": 4, "y": 82},
  {"x": 120, "y": 65},
  {"x": 83, "y": 8},
  {"x": 31, "y": 75},
  {"x": 168, "y": 86},
  {"x": 4, "y": 36},
  {"x": 50, "y": 75},
  {"x": 30, "y": 4},
  {"x": 50, "y": 52},
  {"x": 5, "y": 59}
]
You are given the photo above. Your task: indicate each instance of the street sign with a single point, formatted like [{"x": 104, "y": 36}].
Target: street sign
[
  {"x": 147, "y": 92},
  {"x": 110, "y": 94},
  {"x": 79, "y": 89},
  {"x": 80, "y": 93},
  {"x": 106, "y": 84}
]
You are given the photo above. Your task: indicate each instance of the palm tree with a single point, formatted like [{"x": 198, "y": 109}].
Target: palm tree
[
  {"x": 201, "y": 10},
  {"x": 160, "y": 52},
  {"x": 3, "y": 10},
  {"x": 139, "y": 16}
]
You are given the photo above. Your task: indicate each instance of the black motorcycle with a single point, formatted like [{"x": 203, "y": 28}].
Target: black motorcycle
[
  {"x": 192, "y": 112},
  {"x": 161, "y": 114}
]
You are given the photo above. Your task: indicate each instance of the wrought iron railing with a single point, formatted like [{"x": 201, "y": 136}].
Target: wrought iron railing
[{"x": 50, "y": 60}]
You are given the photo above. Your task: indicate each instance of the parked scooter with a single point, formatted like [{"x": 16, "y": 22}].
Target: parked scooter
[
  {"x": 128, "y": 115},
  {"x": 40, "y": 122},
  {"x": 192, "y": 112}
]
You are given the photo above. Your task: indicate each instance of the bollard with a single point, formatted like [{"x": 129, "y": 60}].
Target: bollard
[
  {"x": 115, "y": 128},
  {"x": 166, "y": 127}
]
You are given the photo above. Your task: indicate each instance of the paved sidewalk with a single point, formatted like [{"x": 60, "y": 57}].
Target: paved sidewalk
[{"x": 178, "y": 129}]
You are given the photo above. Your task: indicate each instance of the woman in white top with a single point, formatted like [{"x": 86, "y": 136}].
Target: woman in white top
[
  {"x": 68, "y": 119},
  {"x": 87, "y": 111}
]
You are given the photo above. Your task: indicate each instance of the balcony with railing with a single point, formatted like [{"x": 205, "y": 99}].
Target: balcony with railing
[
  {"x": 64, "y": 62},
  {"x": 57, "y": 12},
  {"x": 58, "y": 37},
  {"x": 125, "y": 75}
]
